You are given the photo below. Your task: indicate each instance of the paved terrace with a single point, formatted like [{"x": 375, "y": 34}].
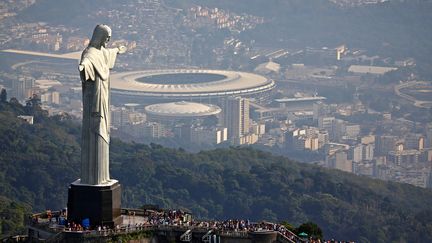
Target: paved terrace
[{"x": 50, "y": 226}]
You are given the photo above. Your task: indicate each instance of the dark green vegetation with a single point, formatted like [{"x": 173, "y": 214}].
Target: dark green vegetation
[
  {"x": 11, "y": 217},
  {"x": 311, "y": 229},
  {"x": 131, "y": 236},
  {"x": 37, "y": 162}
]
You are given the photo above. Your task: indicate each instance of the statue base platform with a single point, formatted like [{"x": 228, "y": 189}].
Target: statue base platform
[{"x": 101, "y": 204}]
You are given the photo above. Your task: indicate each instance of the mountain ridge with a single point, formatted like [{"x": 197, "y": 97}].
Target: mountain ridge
[{"x": 39, "y": 161}]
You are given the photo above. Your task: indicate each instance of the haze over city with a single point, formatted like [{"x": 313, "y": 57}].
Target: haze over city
[{"x": 338, "y": 84}]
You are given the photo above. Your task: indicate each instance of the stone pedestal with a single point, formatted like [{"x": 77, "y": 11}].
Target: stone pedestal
[{"x": 99, "y": 203}]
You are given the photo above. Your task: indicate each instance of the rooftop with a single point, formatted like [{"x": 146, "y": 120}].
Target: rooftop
[
  {"x": 370, "y": 69},
  {"x": 188, "y": 83},
  {"x": 314, "y": 98},
  {"x": 182, "y": 109}
]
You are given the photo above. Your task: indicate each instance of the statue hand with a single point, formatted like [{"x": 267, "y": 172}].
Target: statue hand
[
  {"x": 83, "y": 64},
  {"x": 122, "y": 49}
]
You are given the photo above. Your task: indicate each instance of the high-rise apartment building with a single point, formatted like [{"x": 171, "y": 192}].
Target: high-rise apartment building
[
  {"x": 385, "y": 144},
  {"x": 326, "y": 123},
  {"x": 22, "y": 88},
  {"x": 236, "y": 116},
  {"x": 119, "y": 116},
  {"x": 339, "y": 160},
  {"x": 428, "y": 140},
  {"x": 356, "y": 153},
  {"x": 368, "y": 151},
  {"x": 404, "y": 158},
  {"x": 414, "y": 141}
]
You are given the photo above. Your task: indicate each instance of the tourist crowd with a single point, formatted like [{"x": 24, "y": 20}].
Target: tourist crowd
[{"x": 179, "y": 218}]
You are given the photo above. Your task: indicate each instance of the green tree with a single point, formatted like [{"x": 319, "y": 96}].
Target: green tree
[
  {"x": 38, "y": 161},
  {"x": 288, "y": 226},
  {"x": 310, "y": 228},
  {"x": 11, "y": 217}
]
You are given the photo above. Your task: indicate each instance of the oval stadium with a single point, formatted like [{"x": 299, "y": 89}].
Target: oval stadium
[
  {"x": 186, "y": 84},
  {"x": 181, "y": 110}
]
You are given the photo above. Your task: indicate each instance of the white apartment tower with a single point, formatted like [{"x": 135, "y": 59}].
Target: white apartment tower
[
  {"x": 236, "y": 116},
  {"x": 22, "y": 88}
]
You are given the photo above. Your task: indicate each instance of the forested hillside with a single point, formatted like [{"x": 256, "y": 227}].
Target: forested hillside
[{"x": 37, "y": 162}]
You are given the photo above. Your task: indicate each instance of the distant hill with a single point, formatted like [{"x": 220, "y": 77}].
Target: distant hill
[
  {"x": 39, "y": 161},
  {"x": 397, "y": 29},
  {"x": 63, "y": 12},
  {"x": 401, "y": 27}
]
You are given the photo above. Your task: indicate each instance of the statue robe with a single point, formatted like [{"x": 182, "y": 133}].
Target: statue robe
[{"x": 96, "y": 114}]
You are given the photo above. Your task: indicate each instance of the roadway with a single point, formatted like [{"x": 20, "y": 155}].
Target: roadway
[{"x": 71, "y": 55}]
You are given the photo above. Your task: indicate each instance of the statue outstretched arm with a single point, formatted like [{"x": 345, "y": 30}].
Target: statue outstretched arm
[
  {"x": 122, "y": 49},
  {"x": 111, "y": 54}
]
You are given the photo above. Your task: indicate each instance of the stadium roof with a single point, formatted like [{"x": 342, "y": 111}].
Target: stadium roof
[
  {"x": 313, "y": 98},
  {"x": 182, "y": 109},
  {"x": 228, "y": 83},
  {"x": 370, "y": 69}
]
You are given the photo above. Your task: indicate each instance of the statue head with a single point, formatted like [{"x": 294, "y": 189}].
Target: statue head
[{"x": 101, "y": 36}]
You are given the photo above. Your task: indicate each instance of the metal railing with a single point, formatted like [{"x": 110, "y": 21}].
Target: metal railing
[
  {"x": 206, "y": 237},
  {"x": 186, "y": 236}
]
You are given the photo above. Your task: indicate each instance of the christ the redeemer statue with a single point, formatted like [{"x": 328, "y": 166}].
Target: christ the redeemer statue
[{"x": 96, "y": 62}]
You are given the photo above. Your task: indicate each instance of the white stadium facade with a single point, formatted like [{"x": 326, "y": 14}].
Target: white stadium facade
[
  {"x": 155, "y": 86},
  {"x": 181, "y": 110}
]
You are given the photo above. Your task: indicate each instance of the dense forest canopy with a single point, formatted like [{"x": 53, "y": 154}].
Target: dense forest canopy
[{"x": 39, "y": 161}]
